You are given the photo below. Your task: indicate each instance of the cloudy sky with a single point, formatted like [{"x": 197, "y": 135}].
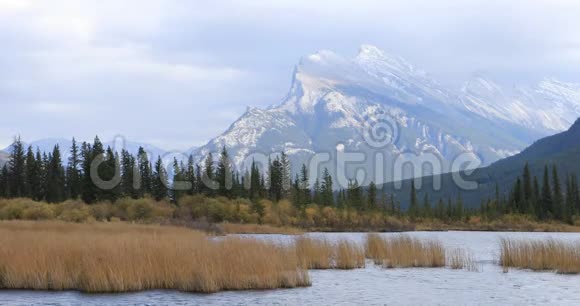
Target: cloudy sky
[{"x": 176, "y": 73}]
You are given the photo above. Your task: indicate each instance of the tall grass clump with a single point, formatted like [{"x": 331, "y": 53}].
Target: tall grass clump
[
  {"x": 461, "y": 259},
  {"x": 349, "y": 255},
  {"x": 322, "y": 254},
  {"x": 120, "y": 257},
  {"x": 536, "y": 255},
  {"x": 314, "y": 253},
  {"x": 402, "y": 251}
]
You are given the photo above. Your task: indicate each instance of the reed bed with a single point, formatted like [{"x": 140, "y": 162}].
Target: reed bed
[
  {"x": 548, "y": 255},
  {"x": 322, "y": 254},
  {"x": 120, "y": 257},
  {"x": 461, "y": 259},
  {"x": 402, "y": 251}
]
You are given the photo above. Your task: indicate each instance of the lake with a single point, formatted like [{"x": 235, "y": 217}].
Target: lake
[{"x": 372, "y": 285}]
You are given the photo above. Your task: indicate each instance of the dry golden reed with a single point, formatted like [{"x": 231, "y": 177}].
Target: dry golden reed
[
  {"x": 548, "y": 255},
  {"x": 402, "y": 251},
  {"x": 322, "y": 254},
  {"x": 461, "y": 259},
  {"x": 120, "y": 257}
]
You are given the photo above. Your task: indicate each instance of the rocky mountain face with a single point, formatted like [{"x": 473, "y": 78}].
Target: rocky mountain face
[{"x": 376, "y": 103}]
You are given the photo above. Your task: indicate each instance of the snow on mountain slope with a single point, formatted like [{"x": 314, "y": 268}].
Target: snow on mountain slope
[
  {"x": 549, "y": 107},
  {"x": 333, "y": 101}
]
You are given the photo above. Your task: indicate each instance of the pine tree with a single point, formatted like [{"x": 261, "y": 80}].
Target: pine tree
[
  {"x": 110, "y": 172},
  {"x": 16, "y": 170},
  {"x": 304, "y": 186},
  {"x": 209, "y": 185},
  {"x": 546, "y": 211},
  {"x": 224, "y": 174},
  {"x": 317, "y": 192},
  {"x": 327, "y": 189},
  {"x": 145, "y": 174},
  {"x": 55, "y": 178},
  {"x": 73, "y": 173},
  {"x": 569, "y": 208},
  {"x": 413, "y": 204},
  {"x": 254, "y": 182},
  {"x": 159, "y": 181},
  {"x": 440, "y": 210},
  {"x": 90, "y": 191},
  {"x": 372, "y": 195},
  {"x": 190, "y": 175},
  {"x": 459, "y": 209},
  {"x": 426, "y": 212},
  {"x": 129, "y": 176},
  {"x": 33, "y": 176},
  {"x": 4, "y": 192},
  {"x": 558, "y": 201},
  {"x": 178, "y": 189},
  {"x": 536, "y": 199},
  {"x": 286, "y": 174},
  {"x": 528, "y": 192}
]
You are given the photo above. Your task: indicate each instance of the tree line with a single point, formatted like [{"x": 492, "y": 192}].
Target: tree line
[
  {"x": 46, "y": 177},
  {"x": 547, "y": 199}
]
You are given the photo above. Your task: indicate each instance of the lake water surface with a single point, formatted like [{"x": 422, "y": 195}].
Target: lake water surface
[{"x": 372, "y": 285}]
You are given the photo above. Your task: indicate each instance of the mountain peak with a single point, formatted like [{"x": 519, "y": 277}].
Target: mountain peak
[
  {"x": 370, "y": 51},
  {"x": 576, "y": 125}
]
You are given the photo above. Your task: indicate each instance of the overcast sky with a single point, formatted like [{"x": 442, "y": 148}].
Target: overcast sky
[{"x": 177, "y": 73}]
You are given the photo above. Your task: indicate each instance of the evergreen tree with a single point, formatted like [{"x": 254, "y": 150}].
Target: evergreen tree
[
  {"x": 254, "y": 182},
  {"x": 55, "y": 178},
  {"x": 546, "y": 210},
  {"x": 317, "y": 192},
  {"x": 286, "y": 175},
  {"x": 304, "y": 186},
  {"x": 4, "y": 192},
  {"x": 440, "y": 210},
  {"x": 159, "y": 181},
  {"x": 129, "y": 176},
  {"x": 16, "y": 170},
  {"x": 33, "y": 176},
  {"x": 426, "y": 211},
  {"x": 190, "y": 175},
  {"x": 558, "y": 201},
  {"x": 372, "y": 195},
  {"x": 327, "y": 189},
  {"x": 354, "y": 195},
  {"x": 569, "y": 208},
  {"x": 145, "y": 174},
  {"x": 73, "y": 173},
  {"x": 178, "y": 189},
  {"x": 209, "y": 185},
  {"x": 527, "y": 186},
  {"x": 224, "y": 174},
  {"x": 536, "y": 199},
  {"x": 459, "y": 209},
  {"x": 110, "y": 172},
  {"x": 413, "y": 204}
]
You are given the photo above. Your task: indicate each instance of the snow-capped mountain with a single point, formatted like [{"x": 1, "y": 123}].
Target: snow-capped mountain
[
  {"x": 549, "y": 107},
  {"x": 334, "y": 102}
]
